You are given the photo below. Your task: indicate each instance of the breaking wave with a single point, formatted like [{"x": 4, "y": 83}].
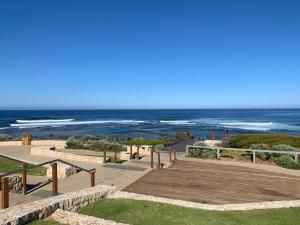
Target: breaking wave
[
  {"x": 68, "y": 122},
  {"x": 178, "y": 122}
]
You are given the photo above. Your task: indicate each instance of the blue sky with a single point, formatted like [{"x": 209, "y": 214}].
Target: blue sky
[{"x": 149, "y": 54}]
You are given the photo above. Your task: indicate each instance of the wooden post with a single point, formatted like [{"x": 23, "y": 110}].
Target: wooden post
[
  {"x": 5, "y": 192},
  {"x": 138, "y": 152},
  {"x": 24, "y": 179},
  {"x": 174, "y": 152},
  {"x": 158, "y": 160},
  {"x": 218, "y": 153},
  {"x": 104, "y": 156},
  {"x": 130, "y": 153},
  {"x": 296, "y": 157},
  {"x": 151, "y": 155},
  {"x": 254, "y": 156},
  {"x": 54, "y": 179},
  {"x": 170, "y": 156},
  {"x": 115, "y": 156},
  {"x": 92, "y": 174}
]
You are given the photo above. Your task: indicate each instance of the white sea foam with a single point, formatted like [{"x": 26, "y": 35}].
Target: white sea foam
[
  {"x": 177, "y": 122},
  {"x": 260, "y": 126},
  {"x": 68, "y": 122},
  {"x": 44, "y": 121}
]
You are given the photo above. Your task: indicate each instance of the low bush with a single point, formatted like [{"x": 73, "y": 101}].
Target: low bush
[
  {"x": 88, "y": 143},
  {"x": 5, "y": 137},
  {"x": 262, "y": 155},
  {"x": 283, "y": 147},
  {"x": 203, "y": 153},
  {"x": 164, "y": 142},
  {"x": 287, "y": 162}
]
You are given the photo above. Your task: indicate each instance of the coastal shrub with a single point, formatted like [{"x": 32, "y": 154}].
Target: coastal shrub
[
  {"x": 5, "y": 137},
  {"x": 93, "y": 144},
  {"x": 203, "y": 153},
  {"x": 262, "y": 155},
  {"x": 283, "y": 147},
  {"x": 201, "y": 143},
  {"x": 287, "y": 162},
  {"x": 183, "y": 135},
  {"x": 246, "y": 140},
  {"x": 164, "y": 142}
]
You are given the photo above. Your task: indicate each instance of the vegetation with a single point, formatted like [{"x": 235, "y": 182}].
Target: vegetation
[
  {"x": 245, "y": 141},
  {"x": 164, "y": 142},
  {"x": 44, "y": 222},
  {"x": 148, "y": 213},
  {"x": 8, "y": 165},
  {"x": 287, "y": 162},
  {"x": 5, "y": 137},
  {"x": 94, "y": 144}
]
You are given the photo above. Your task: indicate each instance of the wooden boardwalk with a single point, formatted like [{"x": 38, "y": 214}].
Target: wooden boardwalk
[{"x": 217, "y": 184}]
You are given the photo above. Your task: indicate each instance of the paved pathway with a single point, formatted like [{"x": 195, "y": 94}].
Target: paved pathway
[{"x": 110, "y": 174}]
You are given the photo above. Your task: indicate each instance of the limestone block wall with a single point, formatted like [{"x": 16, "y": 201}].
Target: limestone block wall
[
  {"x": 14, "y": 184},
  {"x": 24, "y": 213},
  {"x": 44, "y": 151},
  {"x": 63, "y": 171}
]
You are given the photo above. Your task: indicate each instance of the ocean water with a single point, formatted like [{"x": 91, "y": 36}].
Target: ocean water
[{"x": 149, "y": 123}]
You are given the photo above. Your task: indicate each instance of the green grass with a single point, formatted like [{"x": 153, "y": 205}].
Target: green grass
[
  {"x": 8, "y": 165},
  {"x": 44, "y": 222},
  {"x": 149, "y": 213},
  {"x": 246, "y": 140}
]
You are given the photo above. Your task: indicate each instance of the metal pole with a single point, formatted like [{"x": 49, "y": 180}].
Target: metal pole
[
  {"x": 5, "y": 192},
  {"x": 54, "y": 179},
  {"x": 24, "y": 179}
]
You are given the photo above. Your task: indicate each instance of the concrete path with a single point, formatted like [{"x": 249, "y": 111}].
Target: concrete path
[{"x": 109, "y": 174}]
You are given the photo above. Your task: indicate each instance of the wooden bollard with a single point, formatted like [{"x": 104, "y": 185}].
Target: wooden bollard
[
  {"x": 24, "y": 179},
  {"x": 104, "y": 156},
  {"x": 5, "y": 192},
  {"x": 92, "y": 174},
  {"x": 158, "y": 160},
  {"x": 174, "y": 152},
  {"x": 115, "y": 157},
  {"x": 151, "y": 156},
  {"x": 170, "y": 156},
  {"x": 54, "y": 179},
  {"x": 130, "y": 153},
  {"x": 138, "y": 152}
]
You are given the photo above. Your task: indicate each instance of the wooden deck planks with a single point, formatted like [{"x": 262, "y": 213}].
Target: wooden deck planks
[{"x": 217, "y": 184}]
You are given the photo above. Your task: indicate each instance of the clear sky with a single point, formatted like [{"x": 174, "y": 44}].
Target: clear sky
[{"x": 149, "y": 54}]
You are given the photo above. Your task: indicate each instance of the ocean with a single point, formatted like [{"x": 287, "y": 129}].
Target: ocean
[{"x": 148, "y": 123}]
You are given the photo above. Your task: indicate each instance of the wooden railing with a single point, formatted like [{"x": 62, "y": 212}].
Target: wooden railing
[
  {"x": 25, "y": 167},
  {"x": 253, "y": 151}
]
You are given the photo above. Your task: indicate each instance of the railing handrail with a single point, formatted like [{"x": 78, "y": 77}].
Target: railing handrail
[
  {"x": 14, "y": 159},
  {"x": 45, "y": 163},
  {"x": 243, "y": 149}
]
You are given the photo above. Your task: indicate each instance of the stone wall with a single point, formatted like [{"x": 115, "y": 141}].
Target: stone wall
[
  {"x": 54, "y": 143},
  {"x": 63, "y": 171},
  {"x": 14, "y": 184},
  {"x": 44, "y": 151},
  {"x": 24, "y": 213}
]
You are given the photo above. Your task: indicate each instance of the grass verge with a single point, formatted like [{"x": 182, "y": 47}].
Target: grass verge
[
  {"x": 149, "y": 213},
  {"x": 8, "y": 165}
]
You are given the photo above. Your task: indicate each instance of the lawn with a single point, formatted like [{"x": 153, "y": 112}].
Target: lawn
[
  {"x": 44, "y": 222},
  {"x": 149, "y": 213},
  {"x": 246, "y": 140},
  {"x": 8, "y": 165}
]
